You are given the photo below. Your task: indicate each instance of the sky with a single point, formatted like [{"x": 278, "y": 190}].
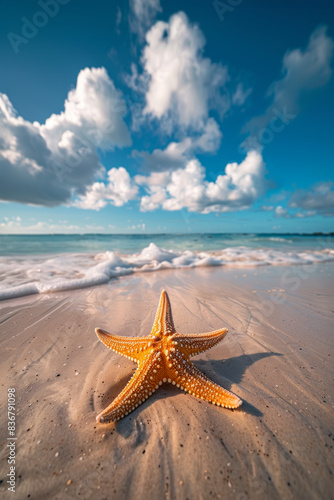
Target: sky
[{"x": 151, "y": 116}]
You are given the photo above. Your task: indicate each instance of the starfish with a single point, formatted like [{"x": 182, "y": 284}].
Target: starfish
[{"x": 163, "y": 356}]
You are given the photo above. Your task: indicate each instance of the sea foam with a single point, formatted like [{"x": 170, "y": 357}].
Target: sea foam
[{"x": 39, "y": 274}]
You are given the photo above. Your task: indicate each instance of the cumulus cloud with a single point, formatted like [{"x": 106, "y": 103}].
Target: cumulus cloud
[
  {"x": 319, "y": 199},
  {"x": 143, "y": 13},
  {"x": 177, "y": 154},
  {"x": 303, "y": 71},
  {"x": 302, "y": 215},
  {"x": 210, "y": 138},
  {"x": 182, "y": 85},
  {"x": 281, "y": 212},
  {"x": 48, "y": 164},
  {"x": 174, "y": 156},
  {"x": 119, "y": 190},
  {"x": 188, "y": 188},
  {"x": 284, "y": 213}
]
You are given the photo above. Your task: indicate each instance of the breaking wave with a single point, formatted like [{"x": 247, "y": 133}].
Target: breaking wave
[{"x": 21, "y": 276}]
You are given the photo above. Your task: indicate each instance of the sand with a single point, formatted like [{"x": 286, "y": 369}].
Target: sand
[{"x": 278, "y": 357}]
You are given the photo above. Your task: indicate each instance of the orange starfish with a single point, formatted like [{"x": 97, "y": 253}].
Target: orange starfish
[{"x": 163, "y": 356}]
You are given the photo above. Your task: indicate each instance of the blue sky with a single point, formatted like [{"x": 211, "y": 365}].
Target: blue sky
[{"x": 155, "y": 116}]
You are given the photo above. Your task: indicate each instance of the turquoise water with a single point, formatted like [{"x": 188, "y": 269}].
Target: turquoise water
[
  {"x": 128, "y": 244},
  {"x": 49, "y": 263}
]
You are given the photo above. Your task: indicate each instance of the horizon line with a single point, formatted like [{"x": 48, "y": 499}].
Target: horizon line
[{"x": 314, "y": 233}]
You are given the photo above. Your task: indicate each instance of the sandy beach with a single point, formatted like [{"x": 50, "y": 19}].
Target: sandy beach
[{"x": 278, "y": 357}]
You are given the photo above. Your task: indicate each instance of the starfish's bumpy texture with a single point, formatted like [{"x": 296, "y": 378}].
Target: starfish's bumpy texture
[{"x": 163, "y": 356}]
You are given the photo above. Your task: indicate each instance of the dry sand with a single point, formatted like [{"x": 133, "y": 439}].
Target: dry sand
[{"x": 278, "y": 357}]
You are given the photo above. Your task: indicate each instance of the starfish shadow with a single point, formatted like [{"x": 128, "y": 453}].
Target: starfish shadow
[
  {"x": 224, "y": 373},
  {"x": 227, "y": 372},
  {"x": 233, "y": 369}
]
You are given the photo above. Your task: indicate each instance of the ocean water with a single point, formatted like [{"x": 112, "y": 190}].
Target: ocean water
[{"x": 45, "y": 263}]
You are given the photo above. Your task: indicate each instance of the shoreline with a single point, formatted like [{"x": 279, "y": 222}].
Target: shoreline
[
  {"x": 32, "y": 274},
  {"x": 277, "y": 357}
]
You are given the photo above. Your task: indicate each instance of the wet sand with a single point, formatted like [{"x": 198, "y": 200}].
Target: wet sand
[{"x": 278, "y": 357}]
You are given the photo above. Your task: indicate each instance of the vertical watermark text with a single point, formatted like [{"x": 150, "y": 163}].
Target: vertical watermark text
[{"x": 11, "y": 444}]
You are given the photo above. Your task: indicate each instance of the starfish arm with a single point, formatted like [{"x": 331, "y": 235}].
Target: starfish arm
[
  {"x": 192, "y": 380},
  {"x": 131, "y": 347},
  {"x": 143, "y": 383},
  {"x": 163, "y": 322},
  {"x": 190, "y": 345}
]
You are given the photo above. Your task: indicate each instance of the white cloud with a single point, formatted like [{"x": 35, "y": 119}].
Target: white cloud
[
  {"x": 308, "y": 213},
  {"x": 118, "y": 20},
  {"x": 118, "y": 191},
  {"x": 41, "y": 227},
  {"x": 187, "y": 188},
  {"x": 182, "y": 85},
  {"x": 155, "y": 184},
  {"x": 240, "y": 95},
  {"x": 8, "y": 225},
  {"x": 15, "y": 226},
  {"x": 318, "y": 199},
  {"x": 141, "y": 226},
  {"x": 209, "y": 140},
  {"x": 284, "y": 213},
  {"x": 303, "y": 71},
  {"x": 172, "y": 157},
  {"x": 48, "y": 164},
  {"x": 281, "y": 212},
  {"x": 94, "y": 112},
  {"x": 177, "y": 154},
  {"x": 143, "y": 15}
]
